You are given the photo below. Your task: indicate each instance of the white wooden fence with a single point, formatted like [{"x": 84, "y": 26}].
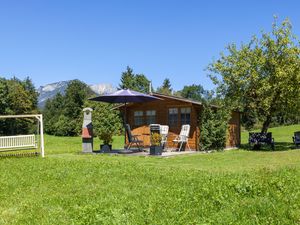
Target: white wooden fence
[{"x": 18, "y": 142}]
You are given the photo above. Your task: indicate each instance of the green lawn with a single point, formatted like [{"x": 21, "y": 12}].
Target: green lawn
[{"x": 231, "y": 187}]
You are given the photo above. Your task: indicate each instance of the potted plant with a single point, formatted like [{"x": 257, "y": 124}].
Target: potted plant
[
  {"x": 156, "y": 147},
  {"x": 106, "y": 124},
  {"x": 107, "y": 139}
]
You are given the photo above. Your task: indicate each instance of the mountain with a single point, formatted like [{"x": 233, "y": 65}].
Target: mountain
[
  {"x": 100, "y": 89},
  {"x": 48, "y": 91}
]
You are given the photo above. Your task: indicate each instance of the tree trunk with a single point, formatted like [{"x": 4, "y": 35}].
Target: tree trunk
[
  {"x": 273, "y": 109},
  {"x": 266, "y": 124}
]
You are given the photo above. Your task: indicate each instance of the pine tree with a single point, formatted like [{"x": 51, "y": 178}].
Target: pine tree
[
  {"x": 213, "y": 123},
  {"x": 127, "y": 79},
  {"x": 165, "y": 88},
  {"x": 136, "y": 82},
  {"x": 141, "y": 83}
]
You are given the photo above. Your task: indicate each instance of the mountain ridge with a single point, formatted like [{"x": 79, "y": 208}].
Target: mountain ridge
[{"x": 49, "y": 91}]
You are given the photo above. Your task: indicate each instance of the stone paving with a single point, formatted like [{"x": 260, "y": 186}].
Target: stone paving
[{"x": 135, "y": 152}]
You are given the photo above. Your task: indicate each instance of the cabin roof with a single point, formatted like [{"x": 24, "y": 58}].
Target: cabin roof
[
  {"x": 181, "y": 99},
  {"x": 176, "y": 98},
  {"x": 163, "y": 97}
]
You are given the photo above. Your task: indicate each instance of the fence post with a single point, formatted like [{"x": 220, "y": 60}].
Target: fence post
[{"x": 42, "y": 136}]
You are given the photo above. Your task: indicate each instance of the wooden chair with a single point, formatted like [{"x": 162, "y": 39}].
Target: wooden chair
[
  {"x": 133, "y": 139},
  {"x": 183, "y": 137}
]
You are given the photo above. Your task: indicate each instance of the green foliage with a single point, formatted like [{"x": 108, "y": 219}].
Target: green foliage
[
  {"x": 213, "y": 127},
  {"x": 156, "y": 139},
  {"x": 166, "y": 87},
  {"x": 261, "y": 77},
  {"x": 287, "y": 117},
  {"x": 136, "y": 82},
  {"x": 127, "y": 79},
  {"x": 195, "y": 92},
  {"x": 63, "y": 114},
  {"x": 249, "y": 118},
  {"x": 17, "y": 97},
  {"x": 52, "y": 111},
  {"x": 106, "y": 121}
]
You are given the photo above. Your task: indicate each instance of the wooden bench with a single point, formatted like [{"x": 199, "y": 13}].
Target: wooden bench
[
  {"x": 296, "y": 138},
  {"x": 19, "y": 142},
  {"x": 257, "y": 139}
]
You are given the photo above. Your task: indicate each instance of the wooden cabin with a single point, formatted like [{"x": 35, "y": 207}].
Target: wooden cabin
[{"x": 174, "y": 112}]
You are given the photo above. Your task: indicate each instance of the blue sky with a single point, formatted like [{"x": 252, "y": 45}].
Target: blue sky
[{"x": 94, "y": 41}]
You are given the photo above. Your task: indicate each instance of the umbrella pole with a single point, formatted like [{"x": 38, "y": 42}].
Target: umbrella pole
[{"x": 125, "y": 125}]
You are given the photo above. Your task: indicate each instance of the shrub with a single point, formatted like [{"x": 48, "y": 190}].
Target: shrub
[
  {"x": 106, "y": 122},
  {"x": 213, "y": 128}
]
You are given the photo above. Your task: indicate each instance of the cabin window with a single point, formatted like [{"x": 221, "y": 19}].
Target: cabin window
[
  {"x": 185, "y": 115},
  {"x": 150, "y": 116},
  {"x": 173, "y": 117},
  {"x": 138, "y": 118}
]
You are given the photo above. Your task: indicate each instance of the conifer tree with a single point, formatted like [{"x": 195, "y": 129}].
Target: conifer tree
[
  {"x": 165, "y": 88},
  {"x": 127, "y": 79}
]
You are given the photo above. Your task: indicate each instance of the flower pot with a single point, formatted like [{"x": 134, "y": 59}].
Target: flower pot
[
  {"x": 105, "y": 148},
  {"x": 156, "y": 150}
]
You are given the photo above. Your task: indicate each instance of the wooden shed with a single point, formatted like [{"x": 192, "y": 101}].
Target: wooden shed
[{"x": 174, "y": 112}]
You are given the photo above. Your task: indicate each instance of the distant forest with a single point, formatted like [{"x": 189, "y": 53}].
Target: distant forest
[{"x": 63, "y": 113}]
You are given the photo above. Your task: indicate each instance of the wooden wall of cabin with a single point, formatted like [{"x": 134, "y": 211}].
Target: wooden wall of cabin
[
  {"x": 234, "y": 131},
  {"x": 162, "y": 107},
  {"x": 162, "y": 112}
]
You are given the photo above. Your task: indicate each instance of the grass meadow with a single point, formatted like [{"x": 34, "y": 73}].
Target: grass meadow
[{"x": 231, "y": 187}]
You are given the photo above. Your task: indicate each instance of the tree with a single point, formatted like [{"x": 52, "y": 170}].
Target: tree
[
  {"x": 63, "y": 114},
  {"x": 52, "y": 111},
  {"x": 76, "y": 94},
  {"x": 136, "y": 82},
  {"x": 141, "y": 83},
  {"x": 165, "y": 88},
  {"x": 213, "y": 123},
  {"x": 195, "y": 92},
  {"x": 17, "y": 97},
  {"x": 106, "y": 121},
  {"x": 127, "y": 79},
  {"x": 4, "y": 102},
  {"x": 263, "y": 76},
  {"x": 32, "y": 93}
]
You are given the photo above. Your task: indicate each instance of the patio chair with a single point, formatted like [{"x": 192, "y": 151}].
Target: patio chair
[
  {"x": 183, "y": 137},
  {"x": 132, "y": 139},
  {"x": 164, "y": 130}
]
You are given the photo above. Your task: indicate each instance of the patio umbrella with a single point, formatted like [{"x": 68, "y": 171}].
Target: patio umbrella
[{"x": 125, "y": 96}]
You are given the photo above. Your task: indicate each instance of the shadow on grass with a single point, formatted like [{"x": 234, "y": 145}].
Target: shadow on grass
[
  {"x": 18, "y": 154},
  {"x": 279, "y": 146}
]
